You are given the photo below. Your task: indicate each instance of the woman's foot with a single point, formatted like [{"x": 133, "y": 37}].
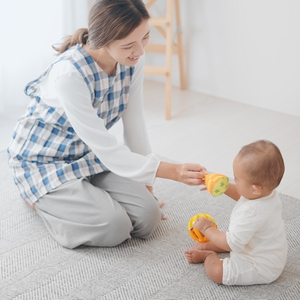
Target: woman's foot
[
  {"x": 196, "y": 256},
  {"x": 161, "y": 204}
]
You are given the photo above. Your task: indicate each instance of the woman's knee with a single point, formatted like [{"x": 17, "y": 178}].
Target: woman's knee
[
  {"x": 147, "y": 219},
  {"x": 108, "y": 231},
  {"x": 113, "y": 230}
]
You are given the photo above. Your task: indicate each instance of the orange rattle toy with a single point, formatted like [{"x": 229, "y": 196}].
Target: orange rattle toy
[
  {"x": 195, "y": 233},
  {"x": 216, "y": 184}
]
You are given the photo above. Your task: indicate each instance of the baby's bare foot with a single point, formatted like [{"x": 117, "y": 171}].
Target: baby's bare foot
[{"x": 196, "y": 256}]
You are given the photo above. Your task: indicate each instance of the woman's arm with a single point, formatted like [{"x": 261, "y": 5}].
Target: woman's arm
[
  {"x": 136, "y": 135},
  {"x": 191, "y": 174},
  {"x": 74, "y": 97},
  {"x": 135, "y": 130}
]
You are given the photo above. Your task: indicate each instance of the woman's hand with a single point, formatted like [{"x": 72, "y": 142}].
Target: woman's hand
[
  {"x": 188, "y": 173},
  {"x": 191, "y": 174},
  {"x": 160, "y": 203}
]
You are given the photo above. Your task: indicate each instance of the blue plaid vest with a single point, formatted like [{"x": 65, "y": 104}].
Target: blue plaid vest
[{"x": 45, "y": 151}]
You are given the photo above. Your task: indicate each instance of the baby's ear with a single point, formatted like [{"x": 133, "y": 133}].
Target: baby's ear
[{"x": 257, "y": 189}]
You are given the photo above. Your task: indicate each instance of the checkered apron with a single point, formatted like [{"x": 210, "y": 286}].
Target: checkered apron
[{"x": 45, "y": 151}]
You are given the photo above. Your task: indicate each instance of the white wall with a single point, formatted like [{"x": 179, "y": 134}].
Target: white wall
[
  {"x": 243, "y": 50},
  {"x": 27, "y": 31}
]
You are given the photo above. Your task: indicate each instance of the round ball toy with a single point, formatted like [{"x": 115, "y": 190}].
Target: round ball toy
[
  {"x": 195, "y": 233},
  {"x": 216, "y": 184}
]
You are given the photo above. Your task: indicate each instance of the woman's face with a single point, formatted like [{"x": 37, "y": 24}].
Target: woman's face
[{"x": 128, "y": 50}]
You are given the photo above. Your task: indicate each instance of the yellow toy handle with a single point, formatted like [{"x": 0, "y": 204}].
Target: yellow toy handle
[{"x": 195, "y": 233}]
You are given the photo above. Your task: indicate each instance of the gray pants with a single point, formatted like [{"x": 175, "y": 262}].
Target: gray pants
[{"x": 104, "y": 210}]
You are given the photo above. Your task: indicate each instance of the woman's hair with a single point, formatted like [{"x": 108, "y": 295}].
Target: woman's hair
[
  {"x": 263, "y": 163},
  {"x": 109, "y": 20}
]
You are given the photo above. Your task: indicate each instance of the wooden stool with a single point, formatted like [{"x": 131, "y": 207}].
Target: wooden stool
[{"x": 165, "y": 28}]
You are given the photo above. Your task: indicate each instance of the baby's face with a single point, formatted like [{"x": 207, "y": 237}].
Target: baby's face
[{"x": 243, "y": 186}]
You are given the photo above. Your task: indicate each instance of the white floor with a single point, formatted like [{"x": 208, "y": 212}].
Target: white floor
[{"x": 209, "y": 131}]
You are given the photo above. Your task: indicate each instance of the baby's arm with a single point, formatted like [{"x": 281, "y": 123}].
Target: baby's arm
[
  {"x": 218, "y": 238},
  {"x": 232, "y": 192}
]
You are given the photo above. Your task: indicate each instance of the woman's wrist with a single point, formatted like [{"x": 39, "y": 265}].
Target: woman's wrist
[
  {"x": 168, "y": 171},
  {"x": 177, "y": 172}
]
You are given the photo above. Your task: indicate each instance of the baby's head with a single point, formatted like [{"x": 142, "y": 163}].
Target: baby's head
[{"x": 258, "y": 169}]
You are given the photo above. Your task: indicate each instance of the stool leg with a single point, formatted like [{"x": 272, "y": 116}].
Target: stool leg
[
  {"x": 169, "y": 52},
  {"x": 169, "y": 49},
  {"x": 180, "y": 45}
]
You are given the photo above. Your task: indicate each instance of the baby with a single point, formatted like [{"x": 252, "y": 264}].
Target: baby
[{"x": 256, "y": 236}]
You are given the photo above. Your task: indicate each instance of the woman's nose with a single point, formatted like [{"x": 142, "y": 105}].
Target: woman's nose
[{"x": 139, "y": 50}]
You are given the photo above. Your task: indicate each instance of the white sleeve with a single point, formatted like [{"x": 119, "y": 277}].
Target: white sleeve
[
  {"x": 74, "y": 96},
  {"x": 135, "y": 132}
]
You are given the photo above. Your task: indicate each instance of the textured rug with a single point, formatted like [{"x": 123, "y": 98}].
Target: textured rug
[{"x": 33, "y": 266}]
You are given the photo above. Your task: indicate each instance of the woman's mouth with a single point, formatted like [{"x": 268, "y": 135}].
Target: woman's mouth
[{"x": 133, "y": 58}]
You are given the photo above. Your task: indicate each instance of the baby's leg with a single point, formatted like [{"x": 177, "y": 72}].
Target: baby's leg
[
  {"x": 214, "y": 268},
  {"x": 208, "y": 246},
  {"x": 212, "y": 264}
]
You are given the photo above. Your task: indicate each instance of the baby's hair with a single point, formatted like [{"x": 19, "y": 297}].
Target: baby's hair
[
  {"x": 109, "y": 20},
  {"x": 263, "y": 163}
]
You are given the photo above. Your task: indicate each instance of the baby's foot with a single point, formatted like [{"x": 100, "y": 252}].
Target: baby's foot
[{"x": 196, "y": 256}]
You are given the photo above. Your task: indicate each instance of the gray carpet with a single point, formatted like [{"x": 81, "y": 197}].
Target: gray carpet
[{"x": 33, "y": 266}]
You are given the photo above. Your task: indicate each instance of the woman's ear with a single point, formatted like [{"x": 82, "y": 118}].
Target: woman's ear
[{"x": 257, "y": 189}]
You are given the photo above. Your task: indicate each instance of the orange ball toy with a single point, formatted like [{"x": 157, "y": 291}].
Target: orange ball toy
[
  {"x": 216, "y": 184},
  {"x": 195, "y": 233}
]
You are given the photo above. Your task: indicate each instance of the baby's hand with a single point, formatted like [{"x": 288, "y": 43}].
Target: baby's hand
[{"x": 202, "y": 224}]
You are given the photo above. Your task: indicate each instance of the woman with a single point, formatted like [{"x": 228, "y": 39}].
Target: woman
[{"x": 88, "y": 188}]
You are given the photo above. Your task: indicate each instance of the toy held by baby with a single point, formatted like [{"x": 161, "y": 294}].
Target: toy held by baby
[
  {"x": 195, "y": 233},
  {"x": 216, "y": 184}
]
